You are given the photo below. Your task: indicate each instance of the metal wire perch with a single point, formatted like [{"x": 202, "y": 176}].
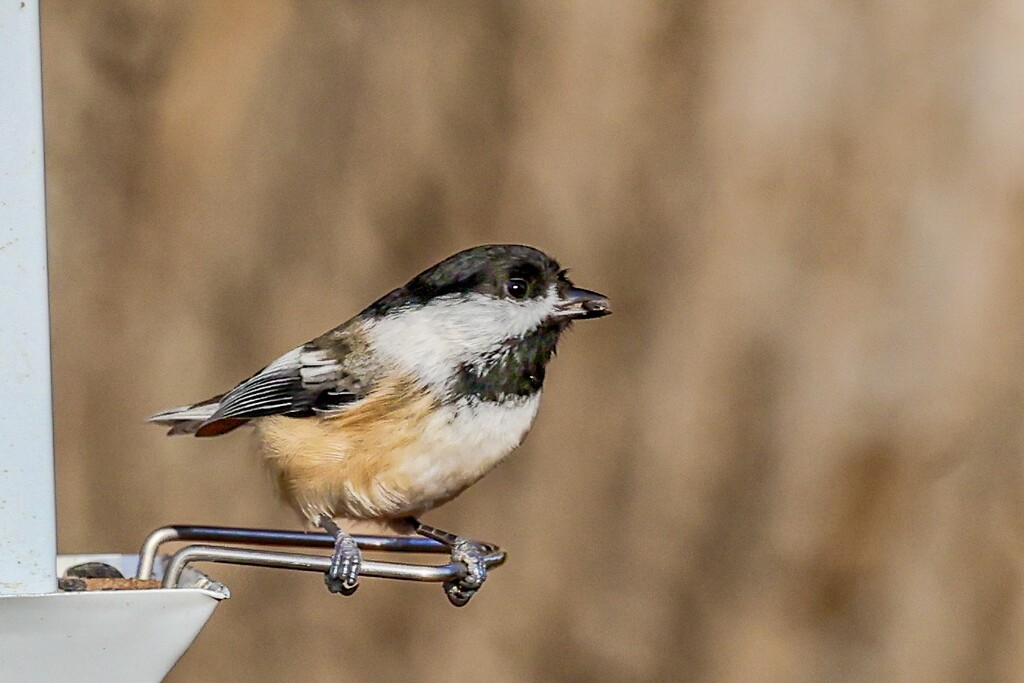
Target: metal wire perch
[{"x": 204, "y": 552}]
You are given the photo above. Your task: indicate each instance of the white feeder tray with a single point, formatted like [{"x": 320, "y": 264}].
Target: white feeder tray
[{"x": 104, "y": 635}]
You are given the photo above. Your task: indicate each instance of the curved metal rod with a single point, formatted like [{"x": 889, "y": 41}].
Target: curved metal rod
[
  {"x": 271, "y": 537},
  {"x": 312, "y": 563}
]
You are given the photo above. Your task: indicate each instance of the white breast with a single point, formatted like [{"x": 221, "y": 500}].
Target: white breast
[{"x": 465, "y": 441}]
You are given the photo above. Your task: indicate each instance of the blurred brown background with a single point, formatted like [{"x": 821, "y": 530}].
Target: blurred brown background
[{"x": 793, "y": 453}]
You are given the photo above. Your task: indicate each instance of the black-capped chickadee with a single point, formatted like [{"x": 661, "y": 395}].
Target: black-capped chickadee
[{"x": 405, "y": 405}]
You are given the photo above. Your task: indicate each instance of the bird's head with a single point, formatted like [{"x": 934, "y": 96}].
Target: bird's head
[{"x": 495, "y": 309}]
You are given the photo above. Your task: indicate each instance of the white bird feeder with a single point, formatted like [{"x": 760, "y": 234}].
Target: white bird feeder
[{"x": 46, "y": 634}]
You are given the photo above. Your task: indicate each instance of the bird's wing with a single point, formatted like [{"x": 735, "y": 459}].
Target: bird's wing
[
  {"x": 301, "y": 382},
  {"x": 313, "y": 379}
]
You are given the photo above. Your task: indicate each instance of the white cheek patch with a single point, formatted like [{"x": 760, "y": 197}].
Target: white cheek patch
[{"x": 432, "y": 341}]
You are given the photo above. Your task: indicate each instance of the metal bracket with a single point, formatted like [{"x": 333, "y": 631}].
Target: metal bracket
[{"x": 303, "y": 562}]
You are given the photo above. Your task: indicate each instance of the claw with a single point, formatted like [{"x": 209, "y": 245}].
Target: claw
[
  {"x": 470, "y": 554},
  {"x": 343, "y": 574},
  {"x": 456, "y": 594}
]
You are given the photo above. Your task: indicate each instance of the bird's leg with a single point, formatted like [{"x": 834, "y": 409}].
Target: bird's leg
[
  {"x": 343, "y": 575},
  {"x": 464, "y": 551}
]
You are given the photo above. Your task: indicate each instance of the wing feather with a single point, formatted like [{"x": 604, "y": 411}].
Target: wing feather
[
  {"x": 298, "y": 383},
  {"x": 318, "y": 378}
]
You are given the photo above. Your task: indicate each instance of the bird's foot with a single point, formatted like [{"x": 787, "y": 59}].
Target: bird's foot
[
  {"x": 472, "y": 555},
  {"x": 343, "y": 574}
]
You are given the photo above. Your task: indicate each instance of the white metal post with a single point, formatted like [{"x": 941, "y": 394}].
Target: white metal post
[{"x": 28, "y": 543}]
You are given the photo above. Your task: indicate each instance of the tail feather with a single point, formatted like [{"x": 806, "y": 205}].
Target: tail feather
[{"x": 191, "y": 419}]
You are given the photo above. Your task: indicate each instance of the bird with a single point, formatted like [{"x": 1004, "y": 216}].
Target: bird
[{"x": 405, "y": 405}]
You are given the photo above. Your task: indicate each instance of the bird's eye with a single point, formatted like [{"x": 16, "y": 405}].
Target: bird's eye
[{"x": 517, "y": 288}]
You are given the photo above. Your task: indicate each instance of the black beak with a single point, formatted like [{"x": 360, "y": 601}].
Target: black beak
[{"x": 582, "y": 303}]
